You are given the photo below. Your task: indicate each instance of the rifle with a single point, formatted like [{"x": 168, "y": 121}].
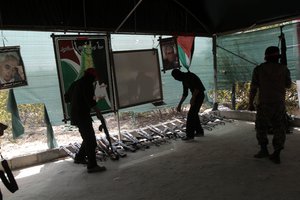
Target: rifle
[
  {"x": 283, "y": 59},
  {"x": 104, "y": 127}
]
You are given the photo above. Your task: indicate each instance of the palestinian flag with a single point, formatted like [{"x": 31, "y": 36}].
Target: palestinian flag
[{"x": 185, "y": 50}]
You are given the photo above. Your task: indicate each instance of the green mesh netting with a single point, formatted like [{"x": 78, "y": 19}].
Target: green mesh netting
[{"x": 238, "y": 54}]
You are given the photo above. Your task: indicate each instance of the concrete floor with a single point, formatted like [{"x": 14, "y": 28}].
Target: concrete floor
[{"x": 219, "y": 166}]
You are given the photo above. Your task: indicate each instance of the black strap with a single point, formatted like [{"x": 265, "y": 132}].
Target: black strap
[{"x": 9, "y": 183}]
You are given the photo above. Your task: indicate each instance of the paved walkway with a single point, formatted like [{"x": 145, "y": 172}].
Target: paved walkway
[{"x": 219, "y": 166}]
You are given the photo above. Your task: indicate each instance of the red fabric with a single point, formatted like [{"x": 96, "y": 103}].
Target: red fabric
[
  {"x": 186, "y": 43},
  {"x": 93, "y": 72}
]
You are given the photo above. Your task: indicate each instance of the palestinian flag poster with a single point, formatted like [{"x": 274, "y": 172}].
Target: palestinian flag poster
[
  {"x": 76, "y": 53},
  {"x": 169, "y": 53}
]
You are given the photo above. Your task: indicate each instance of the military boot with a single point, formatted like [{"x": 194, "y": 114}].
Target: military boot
[
  {"x": 275, "y": 157},
  {"x": 263, "y": 153}
]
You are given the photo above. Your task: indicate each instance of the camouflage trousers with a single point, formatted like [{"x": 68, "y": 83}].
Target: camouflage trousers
[{"x": 271, "y": 117}]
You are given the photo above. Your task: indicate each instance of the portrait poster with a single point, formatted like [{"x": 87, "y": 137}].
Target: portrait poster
[
  {"x": 169, "y": 53},
  {"x": 75, "y": 54},
  {"x": 12, "y": 70}
]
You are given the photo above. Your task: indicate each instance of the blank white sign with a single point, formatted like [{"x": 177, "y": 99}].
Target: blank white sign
[{"x": 137, "y": 75}]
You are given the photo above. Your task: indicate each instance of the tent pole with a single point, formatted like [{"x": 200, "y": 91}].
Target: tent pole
[
  {"x": 214, "y": 49},
  {"x": 119, "y": 125},
  {"x": 135, "y": 7},
  {"x": 113, "y": 82}
]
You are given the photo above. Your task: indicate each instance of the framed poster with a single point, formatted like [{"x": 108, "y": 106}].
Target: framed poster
[
  {"x": 137, "y": 77},
  {"x": 12, "y": 71},
  {"x": 76, "y": 53},
  {"x": 169, "y": 51}
]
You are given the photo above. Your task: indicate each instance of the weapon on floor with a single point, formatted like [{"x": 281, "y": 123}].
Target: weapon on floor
[
  {"x": 158, "y": 132},
  {"x": 139, "y": 144},
  {"x": 115, "y": 149},
  {"x": 104, "y": 127},
  {"x": 147, "y": 136},
  {"x": 123, "y": 144},
  {"x": 68, "y": 151},
  {"x": 107, "y": 150}
]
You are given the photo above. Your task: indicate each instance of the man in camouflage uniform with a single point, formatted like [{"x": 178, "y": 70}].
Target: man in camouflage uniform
[{"x": 271, "y": 79}]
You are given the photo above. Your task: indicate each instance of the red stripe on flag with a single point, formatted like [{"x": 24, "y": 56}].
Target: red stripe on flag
[{"x": 186, "y": 43}]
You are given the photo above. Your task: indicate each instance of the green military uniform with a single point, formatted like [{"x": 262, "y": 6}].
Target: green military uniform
[{"x": 271, "y": 79}]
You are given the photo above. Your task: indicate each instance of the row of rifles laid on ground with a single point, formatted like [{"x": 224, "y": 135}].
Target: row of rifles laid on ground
[{"x": 115, "y": 146}]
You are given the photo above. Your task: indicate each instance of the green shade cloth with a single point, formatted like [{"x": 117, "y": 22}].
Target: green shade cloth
[
  {"x": 17, "y": 127},
  {"x": 50, "y": 134}
]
